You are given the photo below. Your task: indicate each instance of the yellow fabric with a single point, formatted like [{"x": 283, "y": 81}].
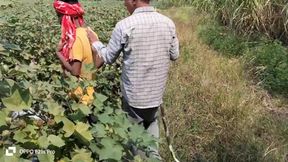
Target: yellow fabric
[
  {"x": 82, "y": 52},
  {"x": 85, "y": 97}
]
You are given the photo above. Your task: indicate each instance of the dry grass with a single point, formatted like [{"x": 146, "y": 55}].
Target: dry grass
[
  {"x": 246, "y": 16},
  {"x": 214, "y": 113}
]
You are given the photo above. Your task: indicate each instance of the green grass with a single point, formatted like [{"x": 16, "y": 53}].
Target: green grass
[
  {"x": 215, "y": 112},
  {"x": 222, "y": 40},
  {"x": 266, "y": 59}
]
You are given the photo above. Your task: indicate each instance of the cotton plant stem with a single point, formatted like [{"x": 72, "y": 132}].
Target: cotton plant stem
[{"x": 167, "y": 135}]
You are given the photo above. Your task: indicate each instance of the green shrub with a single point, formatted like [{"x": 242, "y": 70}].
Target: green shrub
[
  {"x": 268, "y": 59},
  {"x": 271, "y": 61},
  {"x": 222, "y": 39}
]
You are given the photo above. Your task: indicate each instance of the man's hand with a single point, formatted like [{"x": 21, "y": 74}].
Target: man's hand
[
  {"x": 91, "y": 36},
  {"x": 98, "y": 61}
]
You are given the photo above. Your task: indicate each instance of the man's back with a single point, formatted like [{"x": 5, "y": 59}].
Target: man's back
[
  {"x": 148, "y": 41},
  {"x": 147, "y": 37}
]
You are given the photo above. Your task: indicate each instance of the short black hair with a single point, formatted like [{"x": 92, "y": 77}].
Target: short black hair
[{"x": 70, "y": 1}]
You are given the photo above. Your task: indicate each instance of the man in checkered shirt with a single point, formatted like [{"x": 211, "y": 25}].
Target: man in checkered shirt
[{"x": 148, "y": 41}]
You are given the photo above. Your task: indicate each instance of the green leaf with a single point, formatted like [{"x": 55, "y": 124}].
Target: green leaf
[
  {"x": 98, "y": 130},
  {"x": 136, "y": 132},
  {"x": 56, "y": 140},
  {"x": 93, "y": 146},
  {"x": 98, "y": 104},
  {"x": 148, "y": 140},
  {"x": 98, "y": 101},
  {"x": 11, "y": 47},
  {"x": 68, "y": 127},
  {"x": 5, "y": 87},
  {"x": 20, "y": 136},
  {"x": 2, "y": 118},
  {"x": 121, "y": 132},
  {"x": 65, "y": 159},
  {"x": 10, "y": 82},
  {"x": 58, "y": 118},
  {"x": 30, "y": 129},
  {"x": 82, "y": 156},
  {"x": 82, "y": 130},
  {"x": 104, "y": 118},
  {"x": 10, "y": 159},
  {"x": 122, "y": 121},
  {"x": 16, "y": 102},
  {"x": 77, "y": 116},
  {"x": 101, "y": 97},
  {"x": 43, "y": 142},
  {"x": 109, "y": 110},
  {"x": 84, "y": 109},
  {"x": 46, "y": 157},
  {"x": 75, "y": 106},
  {"x": 2, "y": 48},
  {"x": 54, "y": 108},
  {"x": 110, "y": 150}
]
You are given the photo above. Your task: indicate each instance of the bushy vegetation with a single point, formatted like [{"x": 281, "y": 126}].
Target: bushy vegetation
[
  {"x": 220, "y": 115},
  {"x": 266, "y": 59},
  {"x": 31, "y": 82},
  {"x": 255, "y": 28},
  {"x": 269, "y": 61},
  {"x": 222, "y": 39}
]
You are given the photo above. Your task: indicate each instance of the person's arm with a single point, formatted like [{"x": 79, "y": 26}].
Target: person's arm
[
  {"x": 97, "y": 59},
  {"x": 93, "y": 37},
  {"x": 106, "y": 54},
  {"x": 174, "y": 48},
  {"x": 73, "y": 67}
]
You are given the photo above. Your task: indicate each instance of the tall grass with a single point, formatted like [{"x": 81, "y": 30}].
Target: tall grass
[
  {"x": 214, "y": 113},
  {"x": 169, "y": 3},
  {"x": 266, "y": 60},
  {"x": 246, "y": 16}
]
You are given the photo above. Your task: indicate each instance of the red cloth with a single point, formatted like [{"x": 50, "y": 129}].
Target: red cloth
[{"x": 68, "y": 26}]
